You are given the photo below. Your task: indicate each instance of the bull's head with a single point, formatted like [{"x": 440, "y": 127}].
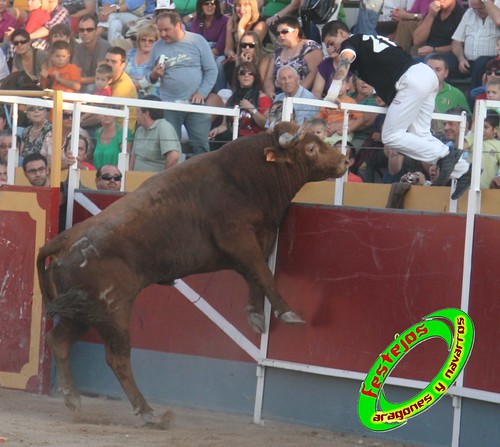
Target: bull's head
[{"x": 299, "y": 146}]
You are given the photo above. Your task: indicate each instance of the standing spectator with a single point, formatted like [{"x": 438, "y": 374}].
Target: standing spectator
[
  {"x": 62, "y": 75},
  {"x": 90, "y": 52},
  {"x": 113, "y": 16},
  {"x": 108, "y": 178},
  {"x": 37, "y": 137},
  {"x": 7, "y": 21},
  {"x": 187, "y": 75},
  {"x": 156, "y": 146},
  {"x": 36, "y": 169},
  {"x": 108, "y": 141},
  {"x": 245, "y": 17},
  {"x": 26, "y": 58},
  {"x": 137, "y": 59},
  {"x": 296, "y": 51},
  {"x": 289, "y": 82},
  {"x": 211, "y": 24},
  {"x": 254, "y": 104},
  {"x": 409, "y": 90},
  {"x": 434, "y": 33},
  {"x": 448, "y": 97},
  {"x": 474, "y": 41}
]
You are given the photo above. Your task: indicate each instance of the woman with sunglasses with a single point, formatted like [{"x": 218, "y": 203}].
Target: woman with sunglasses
[
  {"x": 211, "y": 24},
  {"x": 37, "y": 137},
  {"x": 296, "y": 51},
  {"x": 245, "y": 18},
  {"x": 250, "y": 49},
  {"x": 137, "y": 59},
  {"x": 26, "y": 58},
  {"x": 254, "y": 105}
]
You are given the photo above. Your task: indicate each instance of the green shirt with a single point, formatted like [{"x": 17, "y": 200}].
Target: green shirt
[{"x": 450, "y": 97}]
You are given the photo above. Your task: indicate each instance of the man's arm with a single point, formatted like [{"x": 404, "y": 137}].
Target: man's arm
[
  {"x": 346, "y": 57},
  {"x": 421, "y": 33},
  {"x": 457, "y": 48},
  {"x": 493, "y": 11}
]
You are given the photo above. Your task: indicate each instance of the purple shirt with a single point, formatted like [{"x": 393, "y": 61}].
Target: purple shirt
[
  {"x": 422, "y": 6},
  {"x": 326, "y": 70},
  {"x": 215, "y": 35},
  {"x": 6, "y": 21}
]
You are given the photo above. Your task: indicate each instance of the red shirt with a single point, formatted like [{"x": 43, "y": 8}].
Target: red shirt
[{"x": 247, "y": 124}]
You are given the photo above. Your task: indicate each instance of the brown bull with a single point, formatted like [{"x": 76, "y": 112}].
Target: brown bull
[{"x": 215, "y": 211}]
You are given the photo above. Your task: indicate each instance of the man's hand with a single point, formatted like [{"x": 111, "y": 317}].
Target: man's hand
[
  {"x": 425, "y": 50},
  {"x": 157, "y": 73},
  {"x": 197, "y": 98}
]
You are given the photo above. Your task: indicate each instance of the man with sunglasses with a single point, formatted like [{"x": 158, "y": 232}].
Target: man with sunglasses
[
  {"x": 108, "y": 178},
  {"x": 90, "y": 52},
  {"x": 474, "y": 40}
]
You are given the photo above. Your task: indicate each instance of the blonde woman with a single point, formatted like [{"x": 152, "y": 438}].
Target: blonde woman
[
  {"x": 245, "y": 18},
  {"x": 137, "y": 58}
]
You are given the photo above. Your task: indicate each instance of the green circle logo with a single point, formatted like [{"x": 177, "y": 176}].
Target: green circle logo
[{"x": 456, "y": 329}]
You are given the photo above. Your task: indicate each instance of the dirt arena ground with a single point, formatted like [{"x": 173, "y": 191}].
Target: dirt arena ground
[{"x": 28, "y": 420}]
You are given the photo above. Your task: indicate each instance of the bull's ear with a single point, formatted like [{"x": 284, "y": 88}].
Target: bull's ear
[{"x": 270, "y": 154}]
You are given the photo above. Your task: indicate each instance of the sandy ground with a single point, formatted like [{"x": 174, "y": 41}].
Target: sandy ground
[{"x": 29, "y": 420}]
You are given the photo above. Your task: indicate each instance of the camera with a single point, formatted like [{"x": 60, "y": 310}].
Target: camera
[
  {"x": 161, "y": 60},
  {"x": 411, "y": 177}
]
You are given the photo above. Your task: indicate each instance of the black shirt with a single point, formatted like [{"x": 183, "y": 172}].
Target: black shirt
[{"x": 379, "y": 62}]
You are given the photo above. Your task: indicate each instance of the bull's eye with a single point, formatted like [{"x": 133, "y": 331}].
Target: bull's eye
[{"x": 311, "y": 148}]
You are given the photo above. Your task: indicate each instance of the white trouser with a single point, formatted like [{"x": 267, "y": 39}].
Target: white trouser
[{"x": 116, "y": 21}]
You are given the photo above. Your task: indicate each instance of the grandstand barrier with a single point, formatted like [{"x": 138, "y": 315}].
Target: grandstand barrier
[{"x": 357, "y": 275}]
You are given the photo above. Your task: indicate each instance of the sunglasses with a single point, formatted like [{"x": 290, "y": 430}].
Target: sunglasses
[
  {"x": 109, "y": 177},
  {"x": 209, "y": 3},
  {"x": 285, "y": 31},
  {"x": 247, "y": 44},
  {"x": 246, "y": 72},
  {"x": 495, "y": 72},
  {"x": 86, "y": 30},
  {"x": 35, "y": 108},
  {"x": 19, "y": 42}
]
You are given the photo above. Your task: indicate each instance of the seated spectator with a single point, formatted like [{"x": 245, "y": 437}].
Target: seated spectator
[
  {"x": 351, "y": 155},
  {"x": 61, "y": 32},
  {"x": 318, "y": 127},
  {"x": 7, "y": 22},
  {"x": 434, "y": 33},
  {"x": 90, "y": 52},
  {"x": 113, "y": 16},
  {"x": 387, "y": 24},
  {"x": 84, "y": 157},
  {"x": 448, "y": 96},
  {"x": 334, "y": 118},
  {"x": 36, "y": 169},
  {"x": 275, "y": 115},
  {"x": 245, "y": 17},
  {"x": 108, "y": 178},
  {"x": 274, "y": 9},
  {"x": 5, "y": 144},
  {"x": 67, "y": 156},
  {"x": 37, "y": 137},
  {"x": 103, "y": 79},
  {"x": 137, "y": 59},
  {"x": 78, "y": 9},
  {"x": 4, "y": 67},
  {"x": 26, "y": 58},
  {"x": 109, "y": 139},
  {"x": 289, "y": 82},
  {"x": 212, "y": 25},
  {"x": 61, "y": 75},
  {"x": 492, "y": 71},
  {"x": 254, "y": 104},
  {"x": 58, "y": 15},
  {"x": 156, "y": 146},
  {"x": 490, "y": 160},
  {"x": 364, "y": 94},
  {"x": 474, "y": 40},
  {"x": 38, "y": 16},
  {"x": 493, "y": 90},
  {"x": 302, "y": 54},
  {"x": 3, "y": 172},
  {"x": 250, "y": 49},
  {"x": 401, "y": 168}
]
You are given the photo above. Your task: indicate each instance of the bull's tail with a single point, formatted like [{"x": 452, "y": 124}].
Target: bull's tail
[{"x": 45, "y": 279}]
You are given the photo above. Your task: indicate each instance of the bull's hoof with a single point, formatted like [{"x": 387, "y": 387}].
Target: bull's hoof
[
  {"x": 290, "y": 317},
  {"x": 161, "y": 422},
  {"x": 73, "y": 402},
  {"x": 257, "y": 322}
]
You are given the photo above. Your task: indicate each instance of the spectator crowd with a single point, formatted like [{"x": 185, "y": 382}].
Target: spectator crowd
[{"x": 246, "y": 53}]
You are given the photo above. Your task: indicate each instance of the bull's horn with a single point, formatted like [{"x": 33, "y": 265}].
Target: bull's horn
[{"x": 287, "y": 140}]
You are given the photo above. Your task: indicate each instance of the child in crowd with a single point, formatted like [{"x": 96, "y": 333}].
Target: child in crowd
[
  {"x": 351, "y": 155},
  {"x": 103, "y": 78},
  {"x": 493, "y": 90},
  {"x": 318, "y": 127},
  {"x": 490, "y": 164},
  {"x": 61, "y": 75},
  {"x": 335, "y": 117},
  {"x": 39, "y": 15}
]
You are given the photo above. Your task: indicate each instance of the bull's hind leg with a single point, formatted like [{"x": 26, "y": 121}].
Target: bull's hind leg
[
  {"x": 117, "y": 347},
  {"x": 60, "y": 340}
]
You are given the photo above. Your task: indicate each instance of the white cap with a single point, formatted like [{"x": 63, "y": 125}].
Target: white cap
[{"x": 165, "y": 4}]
